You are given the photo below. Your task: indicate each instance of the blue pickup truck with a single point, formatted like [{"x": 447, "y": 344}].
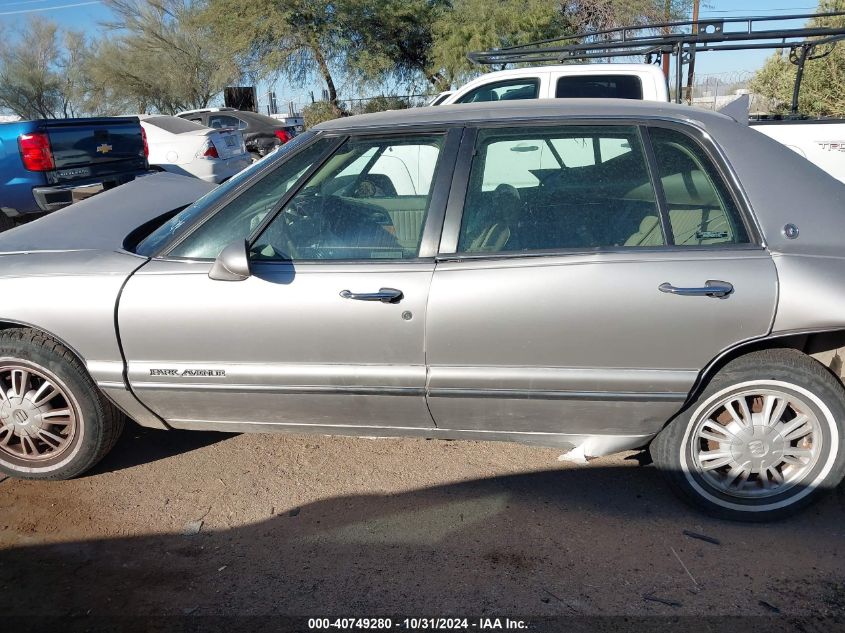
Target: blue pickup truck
[{"x": 48, "y": 164}]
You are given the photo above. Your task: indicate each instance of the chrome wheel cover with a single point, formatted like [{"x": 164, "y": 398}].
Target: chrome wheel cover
[
  {"x": 38, "y": 417},
  {"x": 756, "y": 443}
]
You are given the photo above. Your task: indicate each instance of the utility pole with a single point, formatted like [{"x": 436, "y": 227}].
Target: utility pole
[
  {"x": 691, "y": 67},
  {"x": 664, "y": 63}
]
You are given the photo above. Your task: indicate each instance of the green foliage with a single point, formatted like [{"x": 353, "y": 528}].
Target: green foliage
[
  {"x": 380, "y": 104},
  {"x": 595, "y": 15},
  {"x": 392, "y": 38},
  {"x": 293, "y": 37},
  {"x": 472, "y": 25},
  {"x": 159, "y": 58},
  {"x": 315, "y": 113},
  {"x": 170, "y": 55},
  {"x": 821, "y": 88},
  {"x": 40, "y": 71},
  {"x": 373, "y": 42},
  {"x": 479, "y": 24}
]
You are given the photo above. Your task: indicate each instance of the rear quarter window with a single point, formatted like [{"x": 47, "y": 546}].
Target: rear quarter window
[{"x": 702, "y": 211}]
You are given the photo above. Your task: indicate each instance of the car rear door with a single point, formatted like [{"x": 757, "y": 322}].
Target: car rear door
[
  {"x": 583, "y": 280},
  {"x": 328, "y": 331}
]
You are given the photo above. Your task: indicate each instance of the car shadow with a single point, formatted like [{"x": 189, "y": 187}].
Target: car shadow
[
  {"x": 568, "y": 541},
  {"x": 140, "y": 445}
]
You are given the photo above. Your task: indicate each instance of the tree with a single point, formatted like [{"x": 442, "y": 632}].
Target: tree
[
  {"x": 821, "y": 88},
  {"x": 39, "y": 71},
  {"x": 159, "y": 58},
  {"x": 393, "y": 38},
  {"x": 315, "y": 113},
  {"x": 293, "y": 37},
  {"x": 473, "y": 25},
  {"x": 596, "y": 15}
]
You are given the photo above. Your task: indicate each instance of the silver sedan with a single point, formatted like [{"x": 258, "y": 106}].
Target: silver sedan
[{"x": 597, "y": 276}]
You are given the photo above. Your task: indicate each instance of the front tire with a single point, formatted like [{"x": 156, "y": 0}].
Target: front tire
[
  {"x": 54, "y": 422},
  {"x": 764, "y": 439}
]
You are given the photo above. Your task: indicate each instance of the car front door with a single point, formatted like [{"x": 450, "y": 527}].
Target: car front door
[
  {"x": 587, "y": 274},
  {"x": 328, "y": 330}
]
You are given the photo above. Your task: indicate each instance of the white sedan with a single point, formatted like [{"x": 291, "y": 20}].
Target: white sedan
[{"x": 190, "y": 149}]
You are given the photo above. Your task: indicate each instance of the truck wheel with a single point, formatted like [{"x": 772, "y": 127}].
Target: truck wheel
[
  {"x": 6, "y": 222},
  {"x": 764, "y": 439},
  {"x": 54, "y": 423}
]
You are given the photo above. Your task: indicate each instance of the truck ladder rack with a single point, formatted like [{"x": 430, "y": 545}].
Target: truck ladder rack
[{"x": 683, "y": 39}]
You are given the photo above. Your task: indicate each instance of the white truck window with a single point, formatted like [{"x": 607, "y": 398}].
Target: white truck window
[
  {"x": 509, "y": 90},
  {"x": 599, "y": 87}
]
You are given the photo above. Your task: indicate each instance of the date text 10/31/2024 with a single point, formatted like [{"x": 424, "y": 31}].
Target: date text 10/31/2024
[{"x": 417, "y": 624}]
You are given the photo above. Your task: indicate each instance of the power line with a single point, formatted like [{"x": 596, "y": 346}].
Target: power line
[
  {"x": 11, "y": 4},
  {"x": 54, "y": 8}
]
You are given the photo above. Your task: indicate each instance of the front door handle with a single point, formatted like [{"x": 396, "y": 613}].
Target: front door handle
[
  {"x": 385, "y": 295},
  {"x": 711, "y": 288}
]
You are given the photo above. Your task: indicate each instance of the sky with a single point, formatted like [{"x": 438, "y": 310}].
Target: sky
[{"x": 728, "y": 66}]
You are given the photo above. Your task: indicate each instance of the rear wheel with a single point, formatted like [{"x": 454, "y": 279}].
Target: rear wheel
[
  {"x": 54, "y": 423},
  {"x": 764, "y": 439}
]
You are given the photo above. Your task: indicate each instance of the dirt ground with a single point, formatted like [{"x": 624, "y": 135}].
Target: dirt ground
[{"x": 176, "y": 523}]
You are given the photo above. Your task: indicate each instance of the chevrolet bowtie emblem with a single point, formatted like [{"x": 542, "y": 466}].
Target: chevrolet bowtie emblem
[{"x": 105, "y": 148}]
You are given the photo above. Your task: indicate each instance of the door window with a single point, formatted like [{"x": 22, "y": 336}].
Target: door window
[
  {"x": 537, "y": 189},
  {"x": 242, "y": 216},
  {"x": 368, "y": 201},
  {"x": 510, "y": 90},
  {"x": 701, "y": 210}
]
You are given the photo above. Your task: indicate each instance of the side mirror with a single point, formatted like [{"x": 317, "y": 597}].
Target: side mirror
[{"x": 232, "y": 264}]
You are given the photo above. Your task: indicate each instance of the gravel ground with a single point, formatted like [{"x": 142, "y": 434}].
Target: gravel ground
[{"x": 175, "y": 523}]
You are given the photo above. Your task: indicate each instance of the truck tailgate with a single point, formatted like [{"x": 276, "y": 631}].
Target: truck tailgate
[{"x": 92, "y": 147}]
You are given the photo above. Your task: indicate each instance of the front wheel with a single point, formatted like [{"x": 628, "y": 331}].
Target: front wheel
[
  {"x": 54, "y": 422},
  {"x": 764, "y": 439}
]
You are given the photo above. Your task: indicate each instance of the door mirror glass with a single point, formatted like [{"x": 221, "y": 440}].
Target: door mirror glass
[{"x": 232, "y": 264}]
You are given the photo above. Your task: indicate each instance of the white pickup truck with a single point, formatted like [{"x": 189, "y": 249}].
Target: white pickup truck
[{"x": 821, "y": 141}]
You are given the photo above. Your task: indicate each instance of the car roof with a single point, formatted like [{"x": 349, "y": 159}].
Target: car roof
[{"x": 525, "y": 110}]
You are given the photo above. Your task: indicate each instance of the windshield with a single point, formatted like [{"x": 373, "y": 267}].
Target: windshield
[{"x": 156, "y": 240}]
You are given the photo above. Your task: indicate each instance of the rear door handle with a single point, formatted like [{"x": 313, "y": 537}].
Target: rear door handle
[
  {"x": 711, "y": 288},
  {"x": 385, "y": 295}
]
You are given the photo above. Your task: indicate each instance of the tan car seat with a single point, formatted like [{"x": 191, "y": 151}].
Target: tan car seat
[{"x": 500, "y": 216}]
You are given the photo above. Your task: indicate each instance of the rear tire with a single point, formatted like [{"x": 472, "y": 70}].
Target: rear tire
[
  {"x": 764, "y": 439},
  {"x": 54, "y": 422}
]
